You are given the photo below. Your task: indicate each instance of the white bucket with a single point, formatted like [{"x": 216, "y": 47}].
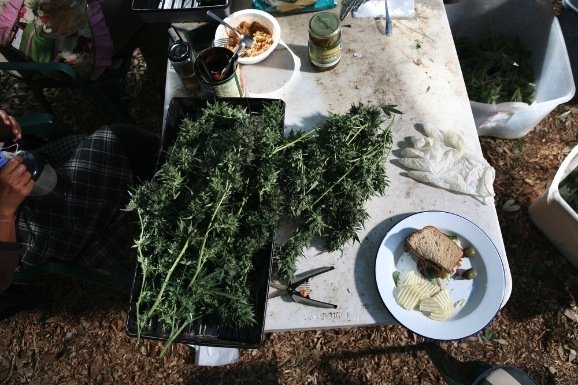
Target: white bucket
[{"x": 554, "y": 216}]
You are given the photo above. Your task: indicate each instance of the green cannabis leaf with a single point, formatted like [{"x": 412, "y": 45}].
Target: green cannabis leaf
[
  {"x": 221, "y": 192},
  {"x": 328, "y": 177}
]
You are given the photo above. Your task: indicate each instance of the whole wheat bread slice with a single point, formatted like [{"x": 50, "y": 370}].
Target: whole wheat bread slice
[{"x": 434, "y": 246}]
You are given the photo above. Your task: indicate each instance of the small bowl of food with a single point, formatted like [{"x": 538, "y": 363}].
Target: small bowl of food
[{"x": 261, "y": 26}]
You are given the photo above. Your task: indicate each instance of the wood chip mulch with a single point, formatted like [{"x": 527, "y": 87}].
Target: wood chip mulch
[{"x": 78, "y": 337}]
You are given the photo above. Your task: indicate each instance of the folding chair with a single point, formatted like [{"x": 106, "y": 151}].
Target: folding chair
[
  {"x": 19, "y": 296},
  {"x": 105, "y": 92},
  {"x": 30, "y": 50}
]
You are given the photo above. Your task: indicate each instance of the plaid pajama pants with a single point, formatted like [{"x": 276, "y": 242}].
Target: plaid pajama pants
[{"x": 84, "y": 224}]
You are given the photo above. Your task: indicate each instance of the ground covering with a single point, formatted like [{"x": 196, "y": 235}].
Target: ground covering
[{"x": 79, "y": 337}]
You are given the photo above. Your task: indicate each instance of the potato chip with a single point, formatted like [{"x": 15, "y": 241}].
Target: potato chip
[
  {"x": 425, "y": 286},
  {"x": 408, "y": 297},
  {"x": 412, "y": 289},
  {"x": 417, "y": 293},
  {"x": 439, "y": 307}
]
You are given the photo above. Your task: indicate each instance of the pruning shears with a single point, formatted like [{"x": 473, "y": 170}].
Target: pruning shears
[{"x": 298, "y": 288}]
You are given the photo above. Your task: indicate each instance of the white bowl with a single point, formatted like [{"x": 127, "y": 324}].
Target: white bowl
[{"x": 252, "y": 15}]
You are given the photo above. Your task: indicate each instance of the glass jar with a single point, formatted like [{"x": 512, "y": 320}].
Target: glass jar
[
  {"x": 182, "y": 58},
  {"x": 325, "y": 40},
  {"x": 180, "y": 55}
]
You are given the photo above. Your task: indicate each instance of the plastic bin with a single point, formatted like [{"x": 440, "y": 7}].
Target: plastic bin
[
  {"x": 568, "y": 19},
  {"x": 539, "y": 30},
  {"x": 206, "y": 332},
  {"x": 554, "y": 216}
]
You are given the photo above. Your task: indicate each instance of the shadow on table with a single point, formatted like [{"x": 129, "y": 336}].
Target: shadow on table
[{"x": 365, "y": 265}]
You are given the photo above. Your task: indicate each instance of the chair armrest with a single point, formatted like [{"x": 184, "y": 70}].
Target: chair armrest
[
  {"x": 44, "y": 125},
  {"x": 63, "y": 68}
]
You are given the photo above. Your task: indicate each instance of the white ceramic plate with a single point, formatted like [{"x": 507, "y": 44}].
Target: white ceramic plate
[{"x": 483, "y": 295}]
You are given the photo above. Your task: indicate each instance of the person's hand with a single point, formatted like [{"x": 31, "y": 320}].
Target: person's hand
[
  {"x": 9, "y": 126},
  {"x": 15, "y": 185}
]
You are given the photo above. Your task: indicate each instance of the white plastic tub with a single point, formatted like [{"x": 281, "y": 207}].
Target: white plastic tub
[
  {"x": 568, "y": 19},
  {"x": 554, "y": 216},
  {"x": 539, "y": 30}
]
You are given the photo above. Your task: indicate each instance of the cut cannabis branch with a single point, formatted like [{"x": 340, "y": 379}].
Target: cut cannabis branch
[{"x": 218, "y": 198}]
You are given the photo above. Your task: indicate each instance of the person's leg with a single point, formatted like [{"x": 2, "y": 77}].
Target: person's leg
[
  {"x": 17, "y": 299},
  {"x": 142, "y": 148},
  {"x": 95, "y": 184},
  {"x": 58, "y": 151}
]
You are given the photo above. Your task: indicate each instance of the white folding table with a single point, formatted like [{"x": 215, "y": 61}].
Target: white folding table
[{"x": 416, "y": 69}]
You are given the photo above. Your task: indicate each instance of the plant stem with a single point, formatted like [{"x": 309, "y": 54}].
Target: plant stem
[
  {"x": 144, "y": 274},
  {"x": 201, "y": 259},
  {"x": 168, "y": 277},
  {"x": 289, "y": 144},
  {"x": 172, "y": 337}
]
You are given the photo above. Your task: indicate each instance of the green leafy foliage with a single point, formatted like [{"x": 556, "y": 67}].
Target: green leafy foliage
[
  {"x": 219, "y": 197},
  {"x": 569, "y": 189},
  {"x": 329, "y": 175},
  {"x": 496, "y": 69}
]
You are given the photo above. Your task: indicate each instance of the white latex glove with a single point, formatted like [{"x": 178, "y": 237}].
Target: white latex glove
[{"x": 443, "y": 160}]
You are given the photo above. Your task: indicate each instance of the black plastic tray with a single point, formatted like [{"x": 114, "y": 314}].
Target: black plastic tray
[
  {"x": 170, "y": 11},
  {"x": 180, "y": 107},
  {"x": 205, "y": 332}
]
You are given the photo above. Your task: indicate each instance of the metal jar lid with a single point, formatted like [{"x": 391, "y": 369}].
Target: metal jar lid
[
  {"x": 179, "y": 51},
  {"x": 324, "y": 24}
]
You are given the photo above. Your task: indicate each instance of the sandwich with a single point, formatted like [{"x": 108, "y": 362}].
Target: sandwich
[{"x": 438, "y": 255}]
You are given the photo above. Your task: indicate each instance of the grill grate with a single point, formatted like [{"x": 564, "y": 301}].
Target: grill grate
[{"x": 176, "y": 4}]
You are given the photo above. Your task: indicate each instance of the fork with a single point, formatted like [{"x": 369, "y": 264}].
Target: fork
[
  {"x": 225, "y": 41},
  {"x": 247, "y": 40}
]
